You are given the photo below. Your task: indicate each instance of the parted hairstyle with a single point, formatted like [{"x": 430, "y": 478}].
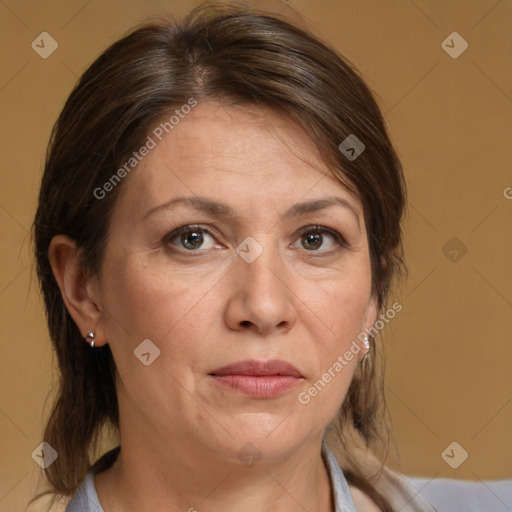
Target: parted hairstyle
[{"x": 217, "y": 52}]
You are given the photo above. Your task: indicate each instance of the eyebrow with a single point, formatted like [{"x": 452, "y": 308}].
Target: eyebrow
[{"x": 222, "y": 210}]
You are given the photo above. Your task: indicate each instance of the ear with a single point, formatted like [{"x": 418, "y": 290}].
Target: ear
[
  {"x": 76, "y": 287},
  {"x": 372, "y": 309},
  {"x": 370, "y": 316},
  {"x": 369, "y": 319}
]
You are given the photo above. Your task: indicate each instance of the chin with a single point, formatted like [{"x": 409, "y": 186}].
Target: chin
[{"x": 256, "y": 441}]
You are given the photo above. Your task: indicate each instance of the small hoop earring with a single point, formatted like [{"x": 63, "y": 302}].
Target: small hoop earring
[{"x": 90, "y": 338}]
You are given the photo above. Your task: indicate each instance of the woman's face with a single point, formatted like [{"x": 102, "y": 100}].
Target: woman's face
[{"x": 231, "y": 242}]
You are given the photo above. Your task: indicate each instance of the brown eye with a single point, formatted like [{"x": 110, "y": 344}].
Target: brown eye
[
  {"x": 320, "y": 239},
  {"x": 312, "y": 241},
  {"x": 191, "y": 238}
]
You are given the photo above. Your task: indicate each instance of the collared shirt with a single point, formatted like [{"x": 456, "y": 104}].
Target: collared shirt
[{"x": 86, "y": 499}]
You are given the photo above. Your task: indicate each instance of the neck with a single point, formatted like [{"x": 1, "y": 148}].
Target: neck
[{"x": 182, "y": 478}]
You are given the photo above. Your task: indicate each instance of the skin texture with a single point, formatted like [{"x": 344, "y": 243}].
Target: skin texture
[{"x": 205, "y": 308}]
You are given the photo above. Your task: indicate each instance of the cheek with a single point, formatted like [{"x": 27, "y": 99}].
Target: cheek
[
  {"x": 147, "y": 302},
  {"x": 334, "y": 314},
  {"x": 338, "y": 306}
]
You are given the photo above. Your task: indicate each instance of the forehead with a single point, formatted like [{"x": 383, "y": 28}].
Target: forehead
[{"x": 237, "y": 153}]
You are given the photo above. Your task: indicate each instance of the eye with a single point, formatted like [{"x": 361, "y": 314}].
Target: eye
[
  {"x": 191, "y": 238},
  {"x": 320, "y": 239}
]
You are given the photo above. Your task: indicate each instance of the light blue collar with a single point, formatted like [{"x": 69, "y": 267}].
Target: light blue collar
[{"x": 342, "y": 498}]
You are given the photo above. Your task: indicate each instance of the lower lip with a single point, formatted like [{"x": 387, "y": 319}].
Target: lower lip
[{"x": 261, "y": 386}]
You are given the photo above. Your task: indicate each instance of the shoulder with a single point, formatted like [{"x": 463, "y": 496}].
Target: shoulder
[
  {"x": 362, "y": 501},
  {"x": 400, "y": 494},
  {"x": 85, "y": 498}
]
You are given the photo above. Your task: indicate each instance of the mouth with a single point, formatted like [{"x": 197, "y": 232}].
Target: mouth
[{"x": 258, "y": 379}]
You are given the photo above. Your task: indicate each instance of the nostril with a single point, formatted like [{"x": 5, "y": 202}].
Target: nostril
[{"x": 245, "y": 323}]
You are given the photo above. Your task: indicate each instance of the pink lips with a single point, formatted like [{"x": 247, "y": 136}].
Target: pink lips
[{"x": 265, "y": 379}]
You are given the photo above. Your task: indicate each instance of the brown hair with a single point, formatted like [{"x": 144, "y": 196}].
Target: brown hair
[{"x": 217, "y": 51}]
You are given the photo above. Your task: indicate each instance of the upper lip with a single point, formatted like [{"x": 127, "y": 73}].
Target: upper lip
[{"x": 258, "y": 368}]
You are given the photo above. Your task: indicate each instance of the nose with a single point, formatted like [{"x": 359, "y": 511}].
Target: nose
[{"x": 261, "y": 298}]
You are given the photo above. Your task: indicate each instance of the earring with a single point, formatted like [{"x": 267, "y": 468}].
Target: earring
[
  {"x": 90, "y": 338},
  {"x": 366, "y": 361}
]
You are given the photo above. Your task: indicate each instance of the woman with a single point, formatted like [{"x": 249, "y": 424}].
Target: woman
[{"x": 217, "y": 232}]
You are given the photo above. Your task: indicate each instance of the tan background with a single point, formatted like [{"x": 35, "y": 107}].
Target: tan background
[{"x": 450, "y": 349}]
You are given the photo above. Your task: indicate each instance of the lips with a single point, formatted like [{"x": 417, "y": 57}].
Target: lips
[
  {"x": 259, "y": 368},
  {"x": 258, "y": 379}
]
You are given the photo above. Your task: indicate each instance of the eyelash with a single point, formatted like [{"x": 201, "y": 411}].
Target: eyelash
[
  {"x": 338, "y": 237},
  {"x": 322, "y": 230}
]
